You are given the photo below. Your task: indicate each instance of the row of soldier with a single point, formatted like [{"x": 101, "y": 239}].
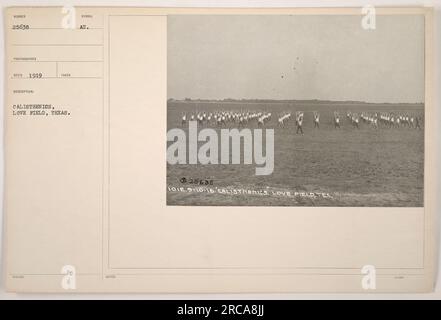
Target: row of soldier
[
  {"x": 225, "y": 118},
  {"x": 262, "y": 118},
  {"x": 385, "y": 119}
]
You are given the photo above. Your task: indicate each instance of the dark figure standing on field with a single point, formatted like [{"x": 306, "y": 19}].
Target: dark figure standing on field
[
  {"x": 355, "y": 121},
  {"x": 300, "y": 123},
  {"x": 316, "y": 120},
  {"x": 417, "y": 122}
]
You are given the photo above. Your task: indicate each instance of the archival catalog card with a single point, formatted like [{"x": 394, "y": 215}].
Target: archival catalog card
[{"x": 219, "y": 150}]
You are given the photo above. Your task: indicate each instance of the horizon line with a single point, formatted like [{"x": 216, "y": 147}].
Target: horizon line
[{"x": 283, "y": 100}]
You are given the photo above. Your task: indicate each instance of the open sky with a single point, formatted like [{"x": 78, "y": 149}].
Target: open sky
[{"x": 296, "y": 57}]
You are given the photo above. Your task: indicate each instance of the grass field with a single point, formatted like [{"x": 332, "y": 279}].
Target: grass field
[{"x": 323, "y": 167}]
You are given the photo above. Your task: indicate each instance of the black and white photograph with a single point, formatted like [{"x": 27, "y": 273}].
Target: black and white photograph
[
  {"x": 298, "y": 143},
  {"x": 295, "y": 110}
]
